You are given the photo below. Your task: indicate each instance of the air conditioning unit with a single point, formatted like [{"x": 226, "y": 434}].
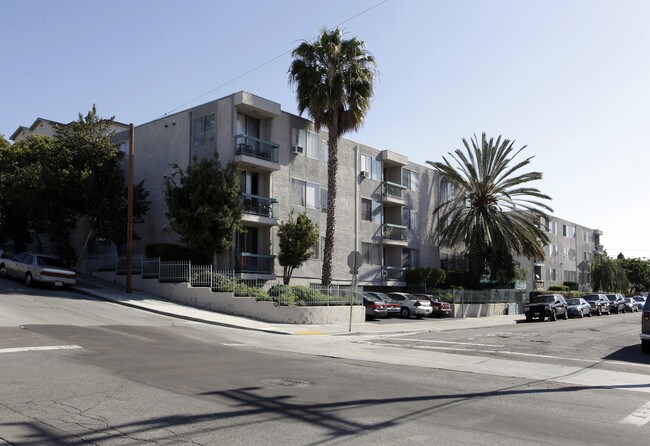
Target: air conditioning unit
[
  {"x": 297, "y": 149},
  {"x": 365, "y": 174}
]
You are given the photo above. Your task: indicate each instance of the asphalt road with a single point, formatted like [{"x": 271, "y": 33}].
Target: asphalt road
[{"x": 107, "y": 374}]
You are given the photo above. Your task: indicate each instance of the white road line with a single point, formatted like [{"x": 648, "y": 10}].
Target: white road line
[
  {"x": 451, "y": 342},
  {"x": 233, "y": 345},
  {"x": 41, "y": 348},
  {"x": 639, "y": 417}
]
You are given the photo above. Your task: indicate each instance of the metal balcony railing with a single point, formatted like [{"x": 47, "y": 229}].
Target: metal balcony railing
[
  {"x": 254, "y": 263},
  {"x": 393, "y": 190},
  {"x": 257, "y": 205},
  {"x": 256, "y": 147},
  {"x": 394, "y": 232}
]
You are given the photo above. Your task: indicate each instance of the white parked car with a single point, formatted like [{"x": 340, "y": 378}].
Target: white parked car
[
  {"x": 38, "y": 268},
  {"x": 412, "y": 305}
]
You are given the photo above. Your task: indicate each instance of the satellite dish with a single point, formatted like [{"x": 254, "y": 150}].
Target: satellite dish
[{"x": 537, "y": 277}]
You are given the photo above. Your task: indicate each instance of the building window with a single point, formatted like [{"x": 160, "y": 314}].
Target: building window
[
  {"x": 372, "y": 166},
  {"x": 410, "y": 258},
  {"x": 366, "y": 209},
  {"x": 551, "y": 274},
  {"x": 326, "y": 152},
  {"x": 410, "y": 219},
  {"x": 552, "y": 250},
  {"x": 203, "y": 130},
  {"x": 446, "y": 191},
  {"x": 370, "y": 253},
  {"x": 304, "y": 193},
  {"x": 568, "y": 231},
  {"x": 315, "y": 251},
  {"x": 411, "y": 180},
  {"x": 323, "y": 200},
  {"x": 570, "y": 276},
  {"x": 313, "y": 149}
]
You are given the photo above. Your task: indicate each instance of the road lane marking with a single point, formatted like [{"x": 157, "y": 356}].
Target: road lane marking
[
  {"x": 308, "y": 332},
  {"x": 41, "y": 348},
  {"x": 639, "y": 417},
  {"x": 452, "y": 342}
]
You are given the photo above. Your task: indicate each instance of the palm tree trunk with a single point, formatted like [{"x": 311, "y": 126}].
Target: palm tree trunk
[{"x": 332, "y": 167}]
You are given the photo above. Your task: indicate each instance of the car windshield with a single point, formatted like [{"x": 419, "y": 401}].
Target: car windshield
[
  {"x": 573, "y": 301},
  {"x": 629, "y": 299},
  {"x": 542, "y": 299},
  {"x": 370, "y": 298},
  {"x": 639, "y": 299},
  {"x": 50, "y": 261},
  {"x": 611, "y": 297},
  {"x": 591, "y": 298},
  {"x": 382, "y": 296}
]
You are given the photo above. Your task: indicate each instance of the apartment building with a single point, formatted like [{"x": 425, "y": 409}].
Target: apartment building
[
  {"x": 384, "y": 201},
  {"x": 568, "y": 256},
  {"x": 383, "y": 207}
]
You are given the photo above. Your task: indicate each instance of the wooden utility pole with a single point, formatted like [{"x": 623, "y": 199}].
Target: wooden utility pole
[{"x": 129, "y": 212}]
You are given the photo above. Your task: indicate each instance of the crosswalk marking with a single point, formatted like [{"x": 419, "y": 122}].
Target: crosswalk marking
[
  {"x": 40, "y": 348},
  {"x": 639, "y": 417}
]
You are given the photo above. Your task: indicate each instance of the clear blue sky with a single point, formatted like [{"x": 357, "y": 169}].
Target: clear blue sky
[{"x": 569, "y": 79}]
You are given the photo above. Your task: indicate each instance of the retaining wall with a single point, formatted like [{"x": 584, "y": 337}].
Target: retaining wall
[{"x": 228, "y": 303}]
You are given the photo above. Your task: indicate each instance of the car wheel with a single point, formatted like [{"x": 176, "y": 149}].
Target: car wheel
[
  {"x": 529, "y": 318},
  {"x": 406, "y": 313},
  {"x": 418, "y": 316},
  {"x": 542, "y": 317},
  {"x": 589, "y": 314},
  {"x": 553, "y": 316},
  {"x": 599, "y": 312},
  {"x": 645, "y": 346},
  {"x": 581, "y": 314},
  {"x": 624, "y": 310},
  {"x": 3, "y": 270},
  {"x": 565, "y": 316},
  {"x": 28, "y": 279}
]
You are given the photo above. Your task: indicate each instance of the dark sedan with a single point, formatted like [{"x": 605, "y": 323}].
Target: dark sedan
[
  {"x": 616, "y": 303},
  {"x": 375, "y": 307},
  {"x": 599, "y": 303},
  {"x": 392, "y": 306}
]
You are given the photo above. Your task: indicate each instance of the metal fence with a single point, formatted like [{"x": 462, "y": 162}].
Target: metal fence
[{"x": 477, "y": 296}]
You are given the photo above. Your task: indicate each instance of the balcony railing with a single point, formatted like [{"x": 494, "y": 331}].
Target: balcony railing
[
  {"x": 257, "y": 205},
  {"x": 393, "y": 190},
  {"x": 394, "y": 232},
  {"x": 256, "y": 147},
  {"x": 254, "y": 263},
  {"x": 394, "y": 273}
]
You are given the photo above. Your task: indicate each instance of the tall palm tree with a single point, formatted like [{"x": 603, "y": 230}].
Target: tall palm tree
[
  {"x": 334, "y": 79},
  {"x": 492, "y": 214}
]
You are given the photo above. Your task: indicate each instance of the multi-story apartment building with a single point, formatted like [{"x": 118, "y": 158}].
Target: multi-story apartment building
[
  {"x": 568, "y": 256},
  {"x": 384, "y": 201}
]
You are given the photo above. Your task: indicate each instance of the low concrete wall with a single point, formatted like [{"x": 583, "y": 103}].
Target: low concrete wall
[
  {"x": 228, "y": 303},
  {"x": 479, "y": 310}
]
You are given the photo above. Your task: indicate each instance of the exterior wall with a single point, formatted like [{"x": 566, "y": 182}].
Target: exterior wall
[
  {"x": 227, "y": 303},
  {"x": 570, "y": 256}
]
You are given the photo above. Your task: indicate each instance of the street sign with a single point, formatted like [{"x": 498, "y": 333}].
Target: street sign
[{"x": 355, "y": 260}]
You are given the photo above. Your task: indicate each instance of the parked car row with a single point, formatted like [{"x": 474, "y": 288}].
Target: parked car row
[
  {"x": 554, "y": 306},
  {"x": 404, "y": 304}
]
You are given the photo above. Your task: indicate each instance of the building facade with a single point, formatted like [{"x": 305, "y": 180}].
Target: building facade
[{"x": 384, "y": 201}]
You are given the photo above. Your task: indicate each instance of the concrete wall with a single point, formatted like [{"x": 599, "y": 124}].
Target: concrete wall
[
  {"x": 227, "y": 303},
  {"x": 479, "y": 310}
]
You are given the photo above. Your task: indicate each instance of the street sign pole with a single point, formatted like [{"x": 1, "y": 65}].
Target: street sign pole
[{"x": 355, "y": 260}]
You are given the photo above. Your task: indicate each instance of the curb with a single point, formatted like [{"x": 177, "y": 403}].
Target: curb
[{"x": 174, "y": 315}]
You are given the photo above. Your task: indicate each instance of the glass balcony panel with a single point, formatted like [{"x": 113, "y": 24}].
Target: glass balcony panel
[
  {"x": 394, "y": 273},
  {"x": 394, "y": 232},
  {"x": 256, "y": 147},
  {"x": 255, "y": 263},
  {"x": 393, "y": 190},
  {"x": 257, "y": 205}
]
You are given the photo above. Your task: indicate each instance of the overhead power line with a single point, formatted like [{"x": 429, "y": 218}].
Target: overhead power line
[{"x": 265, "y": 63}]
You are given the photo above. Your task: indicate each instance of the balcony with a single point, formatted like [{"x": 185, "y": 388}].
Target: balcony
[
  {"x": 256, "y": 264},
  {"x": 259, "y": 211},
  {"x": 394, "y": 234},
  {"x": 257, "y": 153},
  {"x": 392, "y": 194},
  {"x": 600, "y": 249},
  {"x": 393, "y": 275}
]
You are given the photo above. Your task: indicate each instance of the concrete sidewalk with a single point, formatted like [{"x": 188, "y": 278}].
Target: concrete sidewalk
[{"x": 112, "y": 292}]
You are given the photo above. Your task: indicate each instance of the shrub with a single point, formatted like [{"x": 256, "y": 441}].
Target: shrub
[
  {"x": 572, "y": 286},
  {"x": 558, "y": 288}
]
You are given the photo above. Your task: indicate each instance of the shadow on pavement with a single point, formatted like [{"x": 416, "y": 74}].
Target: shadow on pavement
[{"x": 631, "y": 353}]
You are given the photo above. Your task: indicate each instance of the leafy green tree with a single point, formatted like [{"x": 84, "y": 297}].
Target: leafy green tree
[
  {"x": 14, "y": 221},
  {"x": 297, "y": 238},
  {"x": 334, "y": 78},
  {"x": 203, "y": 204},
  {"x": 608, "y": 275},
  {"x": 494, "y": 215},
  {"x": 637, "y": 272}
]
